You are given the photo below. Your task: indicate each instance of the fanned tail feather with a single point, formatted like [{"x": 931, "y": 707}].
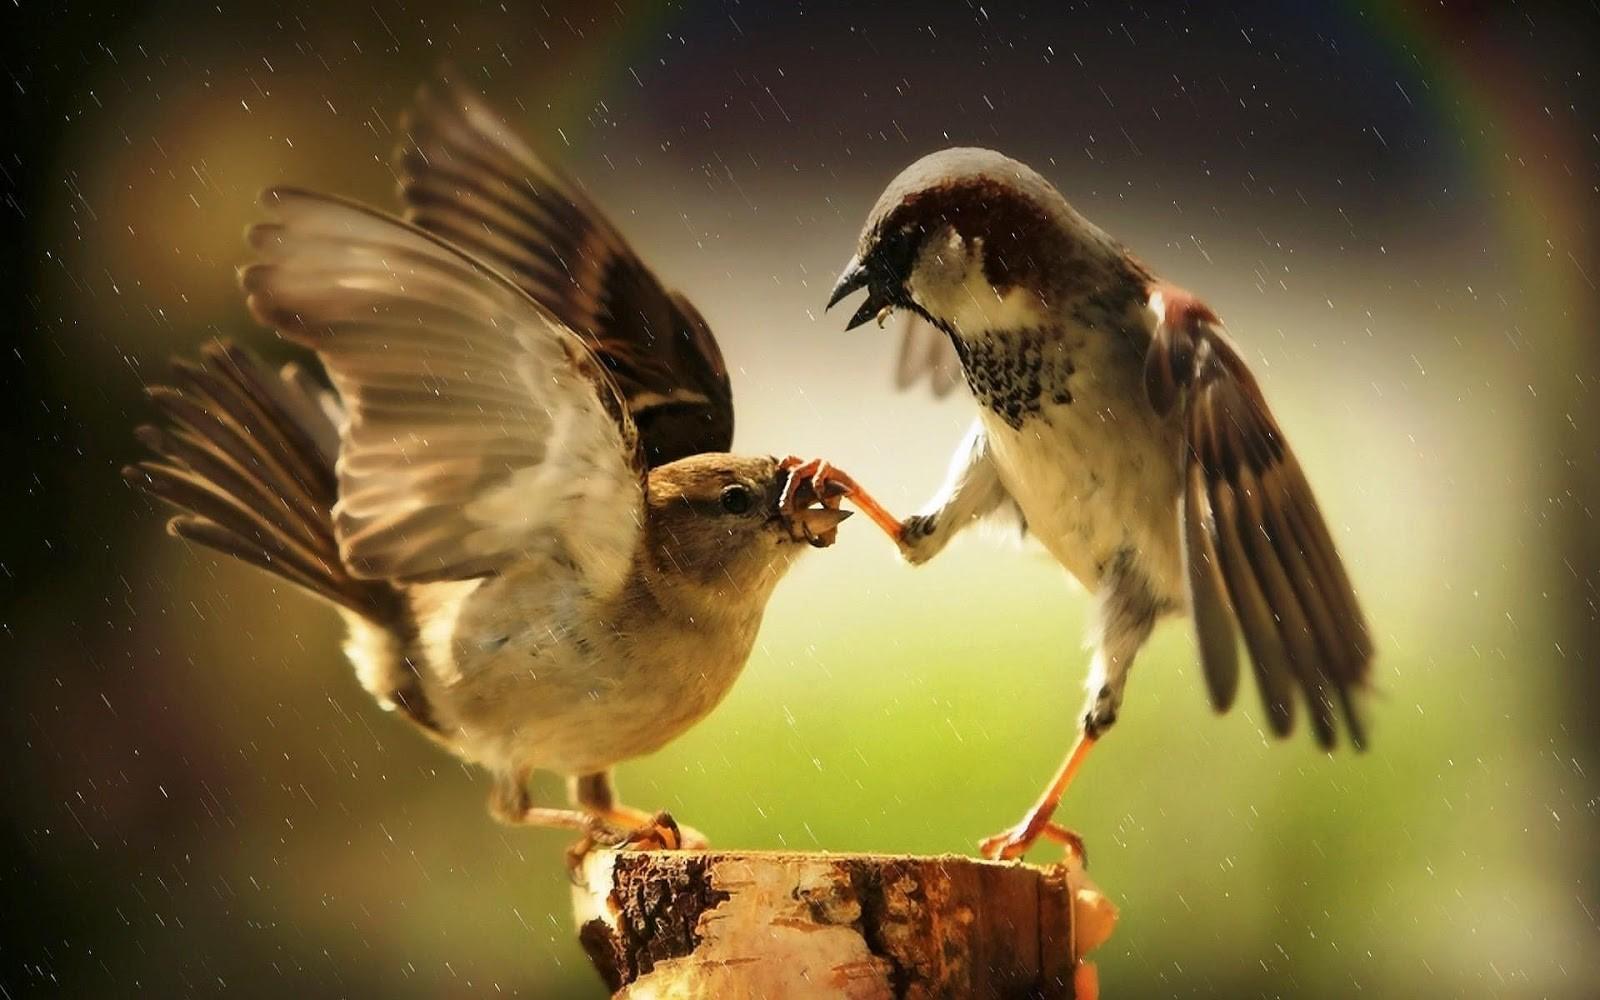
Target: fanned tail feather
[{"x": 247, "y": 457}]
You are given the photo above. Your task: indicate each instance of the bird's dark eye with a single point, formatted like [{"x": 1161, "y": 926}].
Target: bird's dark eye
[{"x": 736, "y": 499}]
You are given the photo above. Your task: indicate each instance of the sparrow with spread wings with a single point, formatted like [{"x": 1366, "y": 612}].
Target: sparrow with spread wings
[
  {"x": 517, "y": 491},
  {"x": 1125, "y": 428}
]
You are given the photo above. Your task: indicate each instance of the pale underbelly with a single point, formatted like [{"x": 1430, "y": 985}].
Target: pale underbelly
[
  {"x": 581, "y": 707},
  {"x": 1095, "y": 490}
]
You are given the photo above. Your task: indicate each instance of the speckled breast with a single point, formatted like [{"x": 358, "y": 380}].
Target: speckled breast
[{"x": 1080, "y": 449}]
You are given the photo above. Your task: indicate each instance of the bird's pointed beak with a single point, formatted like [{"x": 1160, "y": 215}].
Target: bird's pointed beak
[
  {"x": 856, "y": 276},
  {"x": 871, "y": 307},
  {"x": 853, "y": 277}
]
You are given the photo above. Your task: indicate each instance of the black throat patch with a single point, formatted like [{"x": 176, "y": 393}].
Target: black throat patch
[{"x": 1016, "y": 372}]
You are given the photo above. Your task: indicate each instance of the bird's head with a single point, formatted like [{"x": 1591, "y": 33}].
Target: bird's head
[
  {"x": 970, "y": 239},
  {"x": 716, "y": 520}
]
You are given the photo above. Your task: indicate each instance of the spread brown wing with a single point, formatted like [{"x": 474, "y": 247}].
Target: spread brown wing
[
  {"x": 479, "y": 430},
  {"x": 1259, "y": 556},
  {"x": 926, "y": 355},
  {"x": 465, "y": 176}
]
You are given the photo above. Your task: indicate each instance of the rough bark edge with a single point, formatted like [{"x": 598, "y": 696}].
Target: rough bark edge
[
  {"x": 656, "y": 902},
  {"x": 658, "y": 907}
]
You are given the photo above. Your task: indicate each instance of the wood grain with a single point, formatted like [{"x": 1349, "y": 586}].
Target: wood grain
[{"x": 863, "y": 926}]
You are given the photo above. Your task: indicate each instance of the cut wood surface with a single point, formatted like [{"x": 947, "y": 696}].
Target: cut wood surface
[{"x": 672, "y": 924}]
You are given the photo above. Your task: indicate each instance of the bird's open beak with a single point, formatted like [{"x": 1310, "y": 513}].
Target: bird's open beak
[
  {"x": 858, "y": 275},
  {"x": 853, "y": 277}
]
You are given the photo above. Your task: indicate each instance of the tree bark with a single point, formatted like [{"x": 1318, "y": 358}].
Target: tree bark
[{"x": 756, "y": 924}]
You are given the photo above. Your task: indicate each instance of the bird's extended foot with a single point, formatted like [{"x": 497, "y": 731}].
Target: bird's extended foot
[
  {"x": 1014, "y": 842},
  {"x": 817, "y": 525},
  {"x": 659, "y": 832},
  {"x": 620, "y": 825},
  {"x": 601, "y": 822},
  {"x": 652, "y": 831},
  {"x": 828, "y": 484}
]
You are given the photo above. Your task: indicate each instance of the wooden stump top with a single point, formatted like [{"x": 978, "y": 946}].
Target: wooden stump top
[{"x": 784, "y": 924}]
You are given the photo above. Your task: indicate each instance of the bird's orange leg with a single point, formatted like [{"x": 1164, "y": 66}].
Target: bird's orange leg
[
  {"x": 1013, "y": 843},
  {"x": 826, "y": 480}
]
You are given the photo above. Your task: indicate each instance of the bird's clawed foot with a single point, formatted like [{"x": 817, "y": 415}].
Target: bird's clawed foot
[
  {"x": 1013, "y": 843},
  {"x": 816, "y": 480},
  {"x": 626, "y": 830},
  {"x": 624, "y": 827},
  {"x": 652, "y": 831},
  {"x": 804, "y": 487},
  {"x": 601, "y": 822}
]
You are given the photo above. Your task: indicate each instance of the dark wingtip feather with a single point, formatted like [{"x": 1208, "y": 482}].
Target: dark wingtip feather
[
  {"x": 243, "y": 463},
  {"x": 1354, "y": 723},
  {"x": 263, "y": 236},
  {"x": 489, "y": 194},
  {"x": 1213, "y": 616},
  {"x": 1323, "y": 727},
  {"x": 1290, "y": 596},
  {"x": 151, "y": 437}
]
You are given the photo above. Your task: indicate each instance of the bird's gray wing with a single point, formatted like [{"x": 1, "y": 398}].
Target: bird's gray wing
[
  {"x": 1259, "y": 555},
  {"x": 469, "y": 178},
  {"x": 926, "y": 355},
  {"x": 478, "y": 429}
]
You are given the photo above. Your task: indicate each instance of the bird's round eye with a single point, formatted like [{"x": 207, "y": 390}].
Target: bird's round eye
[{"x": 736, "y": 499}]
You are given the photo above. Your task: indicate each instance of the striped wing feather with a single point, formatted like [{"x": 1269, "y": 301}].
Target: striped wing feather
[
  {"x": 1261, "y": 562},
  {"x": 467, "y": 177},
  {"x": 479, "y": 431}
]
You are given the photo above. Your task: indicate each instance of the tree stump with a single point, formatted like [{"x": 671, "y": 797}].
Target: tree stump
[{"x": 732, "y": 925}]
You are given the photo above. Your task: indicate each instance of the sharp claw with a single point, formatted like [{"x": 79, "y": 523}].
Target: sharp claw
[
  {"x": 1008, "y": 844},
  {"x": 1015, "y": 842},
  {"x": 816, "y": 481},
  {"x": 1068, "y": 839},
  {"x": 662, "y": 831},
  {"x": 997, "y": 847},
  {"x": 600, "y": 834},
  {"x": 799, "y": 475},
  {"x": 828, "y": 484}
]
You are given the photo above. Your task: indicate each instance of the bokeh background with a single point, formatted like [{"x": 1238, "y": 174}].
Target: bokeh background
[{"x": 1392, "y": 204}]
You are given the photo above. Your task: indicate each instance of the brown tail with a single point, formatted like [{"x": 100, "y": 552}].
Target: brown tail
[{"x": 248, "y": 459}]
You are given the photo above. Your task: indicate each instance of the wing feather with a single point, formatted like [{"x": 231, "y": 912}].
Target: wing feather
[
  {"x": 1260, "y": 559},
  {"x": 1219, "y": 651},
  {"x": 477, "y": 428},
  {"x": 467, "y": 177}
]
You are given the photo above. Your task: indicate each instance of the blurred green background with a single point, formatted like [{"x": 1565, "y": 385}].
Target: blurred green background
[{"x": 1393, "y": 207}]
